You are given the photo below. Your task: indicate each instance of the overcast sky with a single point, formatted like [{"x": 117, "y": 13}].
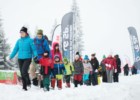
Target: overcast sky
[{"x": 104, "y": 22}]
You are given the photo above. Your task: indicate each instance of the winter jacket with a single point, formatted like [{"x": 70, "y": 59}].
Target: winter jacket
[
  {"x": 69, "y": 68},
  {"x": 47, "y": 64},
  {"x": 78, "y": 67},
  {"x": 25, "y": 48},
  {"x": 41, "y": 46},
  {"x": 87, "y": 68},
  {"x": 110, "y": 63},
  {"x": 53, "y": 53},
  {"x": 126, "y": 68},
  {"x": 118, "y": 63},
  {"x": 95, "y": 64},
  {"x": 58, "y": 69}
]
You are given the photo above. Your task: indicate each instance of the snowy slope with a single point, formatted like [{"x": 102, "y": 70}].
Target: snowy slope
[{"x": 127, "y": 89}]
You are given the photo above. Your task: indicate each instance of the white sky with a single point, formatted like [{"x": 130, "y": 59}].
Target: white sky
[{"x": 104, "y": 22}]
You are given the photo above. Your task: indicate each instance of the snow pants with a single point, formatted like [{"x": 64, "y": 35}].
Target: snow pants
[
  {"x": 24, "y": 66},
  {"x": 109, "y": 76}
]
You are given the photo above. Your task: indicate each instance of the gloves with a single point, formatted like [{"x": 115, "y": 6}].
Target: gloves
[
  {"x": 106, "y": 65},
  {"x": 96, "y": 71},
  {"x": 36, "y": 60}
]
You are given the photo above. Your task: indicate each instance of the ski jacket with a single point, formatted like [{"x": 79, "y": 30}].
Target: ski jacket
[
  {"x": 41, "y": 46},
  {"x": 110, "y": 63},
  {"x": 25, "y": 48},
  {"x": 78, "y": 67}
]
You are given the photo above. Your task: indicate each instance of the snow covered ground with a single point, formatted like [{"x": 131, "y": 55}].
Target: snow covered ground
[{"x": 127, "y": 89}]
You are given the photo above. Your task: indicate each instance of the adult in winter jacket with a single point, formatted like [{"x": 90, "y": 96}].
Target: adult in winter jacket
[
  {"x": 55, "y": 51},
  {"x": 126, "y": 70},
  {"x": 26, "y": 50},
  {"x": 78, "y": 71},
  {"x": 118, "y": 65},
  {"x": 87, "y": 70},
  {"x": 69, "y": 71},
  {"x": 58, "y": 72},
  {"x": 110, "y": 64},
  {"x": 41, "y": 44},
  {"x": 42, "y": 47},
  {"x": 104, "y": 76},
  {"x": 95, "y": 65}
]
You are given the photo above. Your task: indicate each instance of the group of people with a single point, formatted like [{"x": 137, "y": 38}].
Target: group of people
[{"x": 53, "y": 68}]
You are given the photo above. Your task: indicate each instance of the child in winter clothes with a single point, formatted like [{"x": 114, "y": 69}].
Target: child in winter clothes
[
  {"x": 58, "y": 71},
  {"x": 47, "y": 65},
  {"x": 78, "y": 71},
  {"x": 56, "y": 51},
  {"x": 87, "y": 70},
  {"x": 69, "y": 70}
]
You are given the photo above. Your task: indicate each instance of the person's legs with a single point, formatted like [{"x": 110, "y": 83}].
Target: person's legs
[
  {"x": 21, "y": 62},
  {"x": 25, "y": 73},
  {"x": 75, "y": 80},
  {"x": 46, "y": 82},
  {"x": 108, "y": 77},
  {"x": 111, "y": 76},
  {"x": 67, "y": 78}
]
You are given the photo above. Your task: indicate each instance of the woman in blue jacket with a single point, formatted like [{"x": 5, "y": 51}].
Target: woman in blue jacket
[{"x": 26, "y": 50}]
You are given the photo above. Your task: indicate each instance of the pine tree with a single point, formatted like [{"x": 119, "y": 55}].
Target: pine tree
[
  {"x": 77, "y": 29},
  {"x": 4, "y": 46}
]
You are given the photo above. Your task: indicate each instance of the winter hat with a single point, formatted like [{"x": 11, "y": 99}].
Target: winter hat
[
  {"x": 24, "y": 29},
  {"x": 93, "y": 54},
  {"x": 56, "y": 56},
  {"x": 77, "y": 53},
  {"x": 104, "y": 56},
  {"x": 40, "y": 32},
  {"x": 86, "y": 57},
  {"x": 65, "y": 60}
]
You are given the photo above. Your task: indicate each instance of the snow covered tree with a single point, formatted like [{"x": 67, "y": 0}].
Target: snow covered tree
[
  {"x": 78, "y": 43},
  {"x": 4, "y": 46}
]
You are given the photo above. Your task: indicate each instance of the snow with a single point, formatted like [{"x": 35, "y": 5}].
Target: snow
[{"x": 127, "y": 89}]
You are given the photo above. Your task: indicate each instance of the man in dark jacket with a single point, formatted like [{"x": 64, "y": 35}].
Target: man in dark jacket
[
  {"x": 118, "y": 65},
  {"x": 95, "y": 65}
]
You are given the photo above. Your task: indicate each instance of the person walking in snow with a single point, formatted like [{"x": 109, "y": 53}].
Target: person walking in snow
[
  {"x": 118, "y": 65},
  {"x": 126, "y": 70},
  {"x": 110, "y": 64},
  {"x": 26, "y": 50},
  {"x": 95, "y": 65},
  {"x": 78, "y": 71},
  {"x": 57, "y": 72},
  {"x": 104, "y": 76},
  {"x": 47, "y": 67},
  {"x": 87, "y": 70},
  {"x": 42, "y": 47},
  {"x": 69, "y": 71}
]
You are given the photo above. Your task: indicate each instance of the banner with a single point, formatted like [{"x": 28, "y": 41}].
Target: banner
[
  {"x": 8, "y": 77},
  {"x": 135, "y": 46},
  {"x": 66, "y": 28}
]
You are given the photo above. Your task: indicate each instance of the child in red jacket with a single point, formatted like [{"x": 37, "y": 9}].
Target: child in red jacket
[{"x": 47, "y": 66}]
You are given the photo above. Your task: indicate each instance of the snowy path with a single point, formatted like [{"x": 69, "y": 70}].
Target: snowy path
[{"x": 127, "y": 89}]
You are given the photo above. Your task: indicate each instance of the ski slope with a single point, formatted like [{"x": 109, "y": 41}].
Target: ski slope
[{"x": 127, "y": 89}]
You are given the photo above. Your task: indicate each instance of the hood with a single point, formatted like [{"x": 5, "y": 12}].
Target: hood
[
  {"x": 65, "y": 60},
  {"x": 54, "y": 44}
]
